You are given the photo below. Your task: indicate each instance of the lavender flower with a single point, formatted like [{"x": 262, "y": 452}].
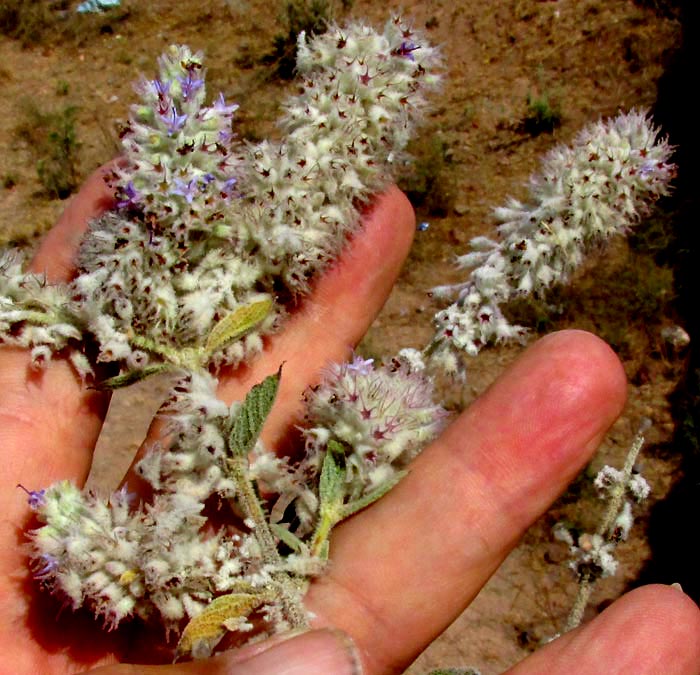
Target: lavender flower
[
  {"x": 206, "y": 226},
  {"x": 36, "y": 498},
  {"x": 210, "y": 244}
]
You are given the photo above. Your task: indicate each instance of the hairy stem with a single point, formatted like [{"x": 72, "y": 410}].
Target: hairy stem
[
  {"x": 585, "y": 588},
  {"x": 618, "y": 492},
  {"x": 290, "y": 590}
]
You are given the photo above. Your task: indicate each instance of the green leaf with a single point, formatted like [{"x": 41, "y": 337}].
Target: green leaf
[
  {"x": 363, "y": 502},
  {"x": 332, "y": 490},
  {"x": 125, "y": 379},
  {"x": 332, "y": 481},
  {"x": 284, "y": 535},
  {"x": 252, "y": 415},
  {"x": 202, "y": 633},
  {"x": 235, "y": 324}
]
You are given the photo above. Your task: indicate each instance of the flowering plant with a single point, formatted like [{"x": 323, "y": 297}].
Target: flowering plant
[
  {"x": 211, "y": 242},
  {"x": 210, "y": 245}
]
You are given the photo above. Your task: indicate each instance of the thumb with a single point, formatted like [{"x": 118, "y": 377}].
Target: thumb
[{"x": 317, "y": 652}]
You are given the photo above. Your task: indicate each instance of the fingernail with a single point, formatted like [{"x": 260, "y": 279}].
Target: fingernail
[
  {"x": 677, "y": 586},
  {"x": 318, "y": 652}
]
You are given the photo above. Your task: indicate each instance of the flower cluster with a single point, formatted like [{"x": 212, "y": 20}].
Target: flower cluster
[
  {"x": 370, "y": 421},
  {"x": 211, "y": 241},
  {"x": 33, "y": 315},
  {"x": 600, "y": 186},
  {"x": 382, "y": 416},
  {"x": 206, "y": 226},
  {"x": 124, "y": 559},
  {"x": 592, "y": 555},
  {"x": 158, "y": 559}
]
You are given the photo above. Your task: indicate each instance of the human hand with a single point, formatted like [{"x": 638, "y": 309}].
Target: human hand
[{"x": 403, "y": 569}]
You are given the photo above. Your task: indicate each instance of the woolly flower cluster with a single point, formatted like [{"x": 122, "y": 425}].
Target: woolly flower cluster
[
  {"x": 123, "y": 559},
  {"x": 32, "y": 315},
  {"x": 382, "y": 416},
  {"x": 122, "y": 564},
  {"x": 205, "y": 226},
  {"x": 593, "y": 555},
  {"x": 166, "y": 558},
  {"x": 372, "y": 420},
  {"x": 611, "y": 481},
  {"x": 585, "y": 194}
]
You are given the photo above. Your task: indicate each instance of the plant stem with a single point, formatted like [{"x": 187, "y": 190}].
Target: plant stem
[
  {"x": 619, "y": 490},
  {"x": 585, "y": 588},
  {"x": 289, "y": 590},
  {"x": 323, "y": 530}
]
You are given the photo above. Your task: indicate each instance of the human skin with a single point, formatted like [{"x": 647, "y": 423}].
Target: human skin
[{"x": 402, "y": 570}]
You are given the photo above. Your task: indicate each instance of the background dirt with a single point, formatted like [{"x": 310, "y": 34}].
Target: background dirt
[{"x": 591, "y": 58}]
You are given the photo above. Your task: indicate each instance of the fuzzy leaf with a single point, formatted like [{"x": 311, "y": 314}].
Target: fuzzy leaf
[
  {"x": 131, "y": 376},
  {"x": 332, "y": 481},
  {"x": 290, "y": 539},
  {"x": 203, "y": 632},
  {"x": 252, "y": 415},
  {"x": 237, "y": 323},
  {"x": 363, "y": 502}
]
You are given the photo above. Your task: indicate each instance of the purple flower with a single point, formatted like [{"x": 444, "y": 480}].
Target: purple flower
[
  {"x": 227, "y": 187},
  {"x": 162, "y": 91},
  {"x": 160, "y": 88},
  {"x": 650, "y": 167},
  {"x": 188, "y": 189},
  {"x": 190, "y": 85},
  {"x": 223, "y": 109},
  {"x": 225, "y": 136},
  {"x": 406, "y": 48},
  {"x": 37, "y": 498},
  {"x": 128, "y": 196},
  {"x": 45, "y": 571},
  {"x": 360, "y": 366},
  {"x": 174, "y": 121},
  {"x": 123, "y": 496}
]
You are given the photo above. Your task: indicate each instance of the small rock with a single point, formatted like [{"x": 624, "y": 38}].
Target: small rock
[{"x": 675, "y": 337}]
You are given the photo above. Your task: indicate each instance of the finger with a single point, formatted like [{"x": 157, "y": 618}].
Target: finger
[
  {"x": 406, "y": 568},
  {"x": 650, "y": 631},
  {"x": 337, "y": 314},
  {"x": 321, "y": 652},
  {"x": 49, "y": 421},
  {"x": 329, "y": 323},
  {"x": 56, "y": 255}
]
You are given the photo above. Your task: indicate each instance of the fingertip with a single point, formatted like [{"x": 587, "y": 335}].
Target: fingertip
[
  {"x": 658, "y": 610},
  {"x": 393, "y": 215},
  {"x": 547, "y": 414},
  {"x": 653, "y": 629},
  {"x": 56, "y": 255},
  {"x": 581, "y": 374}
]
